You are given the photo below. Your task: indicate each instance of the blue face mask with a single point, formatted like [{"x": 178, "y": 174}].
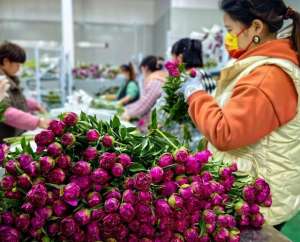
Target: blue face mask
[{"x": 121, "y": 77}]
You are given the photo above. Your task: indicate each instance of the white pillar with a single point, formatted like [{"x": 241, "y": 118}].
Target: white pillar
[{"x": 68, "y": 30}]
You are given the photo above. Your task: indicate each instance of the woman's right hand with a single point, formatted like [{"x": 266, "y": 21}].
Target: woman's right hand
[{"x": 44, "y": 123}]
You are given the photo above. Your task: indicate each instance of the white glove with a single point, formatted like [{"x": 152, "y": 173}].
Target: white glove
[{"x": 191, "y": 86}]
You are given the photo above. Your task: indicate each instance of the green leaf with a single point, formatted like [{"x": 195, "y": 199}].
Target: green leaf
[
  {"x": 24, "y": 145},
  {"x": 123, "y": 132},
  {"x": 116, "y": 122},
  {"x": 202, "y": 144},
  {"x": 137, "y": 167},
  {"x": 153, "y": 124}
]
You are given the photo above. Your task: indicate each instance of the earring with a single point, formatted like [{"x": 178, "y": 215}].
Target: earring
[{"x": 256, "y": 39}]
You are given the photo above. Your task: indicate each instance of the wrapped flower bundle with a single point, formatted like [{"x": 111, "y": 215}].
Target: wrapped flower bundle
[{"x": 95, "y": 181}]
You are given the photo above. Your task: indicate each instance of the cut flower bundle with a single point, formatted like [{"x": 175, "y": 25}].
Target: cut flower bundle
[{"x": 90, "y": 180}]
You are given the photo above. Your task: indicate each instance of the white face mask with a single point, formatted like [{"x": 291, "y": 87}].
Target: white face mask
[
  {"x": 121, "y": 77},
  {"x": 19, "y": 72}
]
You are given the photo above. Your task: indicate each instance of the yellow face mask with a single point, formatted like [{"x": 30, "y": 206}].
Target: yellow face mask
[
  {"x": 231, "y": 41},
  {"x": 232, "y": 45}
]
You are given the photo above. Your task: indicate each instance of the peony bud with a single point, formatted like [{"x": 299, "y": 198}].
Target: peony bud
[
  {"x": 46, "y": 164},
  {"x": 168, "y": 188},
  {"x": 57, "y": 127},
  {"x": 92, "y": 135},
  {"x": 82, "y": 216},
  {"x": 37, "y": 195},
  {"x": 180, "y": 169},
  {"x": 8, "y": 182},
  {"x": 186, "y": 191},
  {"x": 145, "y": 197},
  {"x": 100, "y": 176},
  {"x": 94, "y": 199},
  {"x": 117, "y": 170},
  {"x": 54, "y": 149},
  {"x": 111, "y": 205},
  {"x": 56, "y": 176},
  {"x": 203, "y": 156},
  {"x": 25, "y": 161},
  {"x": 125, "y": 160},
  {"x": 176, "y": 201},
  {"x": 221, "y": 234},
  {"x": 249, "y": 194},
  {"x": 166, "y": 160},
  {"x": 9, "y": 234},
  {"x": 129, "y": 196},
  {"x": 23, "y": 222},
  {"x": 82, "y": 168},
  {"x": 68, "y": 139},
  {"x": 225, "y": 172},
  {"x": 107, "y": 160},
  {"x": 127, "y": 212},
  {"x": 71, "y": 194},
  {"x": 11, "y": 167},
  {"x": 90, "y": 153},
  {"x": 70, "y": 119},
  {"x": 142, "y": 181},
  {"x": 98, "y": 214},
  {"x": 59, "y": 208},
  {"x": 191, "y": 235},
  {"x": 64, "y": 161},
  {"x": 192, "y": 165},
  {"x": 156, "y": 174},
  {"x": 242, "y": 208},
  {"x": 92, "y": 232},
  {"x": 53, "y": 229},
  {"x": 257, "y": 220},
  {"x": 24, "y": 181},
  {"x": 181, "y": 155},
  {"x": 7, "y": 218},
  {"x": 107, "y": 141},
  {"x": 68, "y": 226},
  {"x": 162, "y": 208},
  {"x": 44, "y": 138}
]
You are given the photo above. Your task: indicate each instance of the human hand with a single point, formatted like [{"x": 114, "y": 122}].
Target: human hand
[
  {"x": 191, "y": 86},
  {"x": 44, "y": 123},
  {"x": 125, "y": 116}
]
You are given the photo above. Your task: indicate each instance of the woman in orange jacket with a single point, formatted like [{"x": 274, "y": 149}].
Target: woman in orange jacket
[{"x": 254, "y": 117}]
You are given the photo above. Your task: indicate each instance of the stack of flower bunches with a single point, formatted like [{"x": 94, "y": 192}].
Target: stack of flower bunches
[{"x": 80, "y": 185}]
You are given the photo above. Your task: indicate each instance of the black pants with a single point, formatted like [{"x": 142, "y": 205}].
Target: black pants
[{"x": 279, "y": 226}]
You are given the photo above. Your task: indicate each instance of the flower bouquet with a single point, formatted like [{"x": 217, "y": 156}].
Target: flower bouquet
[
  {"x": 173, "y": 115},
  {"x": 90, "y": 180}
]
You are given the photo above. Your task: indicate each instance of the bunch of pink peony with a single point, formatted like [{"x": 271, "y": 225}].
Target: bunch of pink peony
[{"x": 87, "y": 181}]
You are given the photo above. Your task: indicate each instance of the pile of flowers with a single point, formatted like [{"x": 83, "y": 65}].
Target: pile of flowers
[
  {"x": 97, "y": 181},
  {"x": 87, "y": 71}
]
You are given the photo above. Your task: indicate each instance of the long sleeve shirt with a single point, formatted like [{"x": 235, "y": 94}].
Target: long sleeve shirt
[
  {"x": 261, "y": 102},
  {"x": 143, "y": 106}
]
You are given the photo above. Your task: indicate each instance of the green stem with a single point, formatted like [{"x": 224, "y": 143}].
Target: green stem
[{"x": 166, "y": 138}]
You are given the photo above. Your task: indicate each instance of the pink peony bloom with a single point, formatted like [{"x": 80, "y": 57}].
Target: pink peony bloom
[
  {"x": 156, "y": 174},
  {"x": 70, "y": 119},
  {"x": 92, "y": 135},
  {"x": 57, "y": 127}
]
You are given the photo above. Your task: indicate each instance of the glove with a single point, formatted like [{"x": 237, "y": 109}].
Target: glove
[{"x": 191, "y": 86}]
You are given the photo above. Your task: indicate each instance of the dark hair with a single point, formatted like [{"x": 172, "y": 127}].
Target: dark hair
[
  {"x": 191, "y": 51},
  {"x": 12, "y": 52},
  {"x": 271, "y": 12},
  {"x": 130, "y": 69},
  {"x": 152, "y": 63}
]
